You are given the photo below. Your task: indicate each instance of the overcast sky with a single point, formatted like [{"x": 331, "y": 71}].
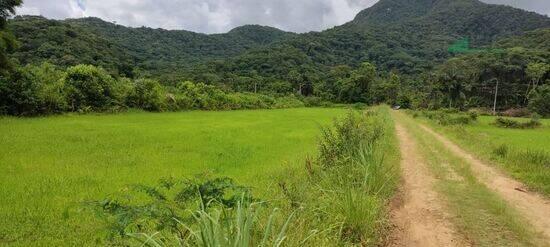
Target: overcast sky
[{"x": 216, "y": 16}]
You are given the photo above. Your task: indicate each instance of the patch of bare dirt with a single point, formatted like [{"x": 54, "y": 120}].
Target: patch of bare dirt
[
  {"x": 534, "y": 207},
  {"x": 419, "y": 216}
]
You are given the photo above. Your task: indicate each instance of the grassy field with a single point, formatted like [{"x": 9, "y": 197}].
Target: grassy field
[
  {"x": 523, "y": 153},
  {"x": 48, "y": 166}
]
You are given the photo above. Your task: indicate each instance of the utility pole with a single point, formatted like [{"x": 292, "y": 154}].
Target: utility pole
[{"x": 496, "y": 95}]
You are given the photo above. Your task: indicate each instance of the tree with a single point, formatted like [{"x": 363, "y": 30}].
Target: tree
[
  {"x": 51, "y": 93},
  {"x": 539, "y": 102},
  {"x": 148, "y": 95},
  {"x": 356, "y": 87},
  {"x": 455, "y": 78},
  {"x": 7, "y": 40},
  {"x": 296, "y": 79},
  {"x": 386, "y": 90},
  {"x": 88, "y": 86},
  {"x": 535, "y": 71}
]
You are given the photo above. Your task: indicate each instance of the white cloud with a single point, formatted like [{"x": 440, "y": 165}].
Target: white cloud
[{"x": 215, "y": 16}]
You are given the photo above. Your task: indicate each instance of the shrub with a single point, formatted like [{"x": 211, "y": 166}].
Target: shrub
[
  {"x": 313, "y": 101},
  {"x": 90, "y": 88},
  {"x": 146, "y": 208},
  {"x": 473, "y": 115},
  {"x": 148, "y": 95},
  {"x": 51, "y": 92},
  {"x": 210, "y": 212},
  {"x": 482, "y": 111},
  {"x": 444, "y": 118},
  {"x": 516, "y": 112},
  {"x": 514, "y": 124},
  {"x": 450, "y": 110},
  {"x": 240, "y": 226},
  {"x": 539, "y": 102},
  {"x": 288, "y": 102},
  {"x": 345, "y": 139}
]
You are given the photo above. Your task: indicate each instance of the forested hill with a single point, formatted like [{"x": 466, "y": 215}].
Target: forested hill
[
  {"x": 409, "y": 36},
  {"x": 119, "y": 48}
]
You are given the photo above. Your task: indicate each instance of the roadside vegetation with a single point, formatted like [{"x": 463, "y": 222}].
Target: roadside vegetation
[{"x": 518, "y": 145}]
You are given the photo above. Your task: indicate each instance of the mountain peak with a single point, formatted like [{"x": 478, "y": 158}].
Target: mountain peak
[
  {"x": 391, "y": 11},
  {"x": 394, "y": 10}
]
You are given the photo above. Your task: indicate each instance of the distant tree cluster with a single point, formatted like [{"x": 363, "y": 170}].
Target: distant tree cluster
[{"x": 45, "y": 89}]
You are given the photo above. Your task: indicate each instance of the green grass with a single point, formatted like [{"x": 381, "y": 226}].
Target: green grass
[
  {"x": 523, "y": 153},
  {"x": 477, "y": 212},
  {"x": 48, "y": 166}
]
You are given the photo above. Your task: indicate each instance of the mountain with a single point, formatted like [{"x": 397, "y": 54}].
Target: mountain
[{"x": 409, "y": 36}]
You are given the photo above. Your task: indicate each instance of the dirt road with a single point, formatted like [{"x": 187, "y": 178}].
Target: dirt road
[
  {"x": 420, "y": 217},
  {"x": 532, "y": 206}
]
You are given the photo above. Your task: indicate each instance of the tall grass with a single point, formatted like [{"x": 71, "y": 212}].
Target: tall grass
[
  {"x": 237, "y": 227},
  {"x": 343, "y": 193}
]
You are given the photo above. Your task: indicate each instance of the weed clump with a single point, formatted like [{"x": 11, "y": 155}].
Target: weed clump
[
  {"x": 501, "y": 151},
  {"x": 448, "y": 117},
  {"x": 196, "y": 211}
]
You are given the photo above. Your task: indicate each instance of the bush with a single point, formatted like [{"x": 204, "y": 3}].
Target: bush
[
  {"x": 162, "y": 207},
  {"x": 482, "y": 111},
  {"x": 288, "y": 102},
  {"x": 473, "y": 115},
  {"x": 539, "y": 102},
  {"x": 148, "y": 95},
  {"x": 20, "y": 94},
  {"x": 516, "y": 112},
  {"x": 514, "y": 124},
  {"x": 90, "y": 88},
  {"x": 313, "y": 101},
  {"x": 51, "y": 92},
  {"x": 444, "y": 118}
]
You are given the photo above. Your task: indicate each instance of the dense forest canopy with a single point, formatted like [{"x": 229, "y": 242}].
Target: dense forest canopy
[{"x": 398, "y": 46}]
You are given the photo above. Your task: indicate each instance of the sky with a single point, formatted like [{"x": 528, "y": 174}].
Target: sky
[{"x": 219, "y": 16}]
